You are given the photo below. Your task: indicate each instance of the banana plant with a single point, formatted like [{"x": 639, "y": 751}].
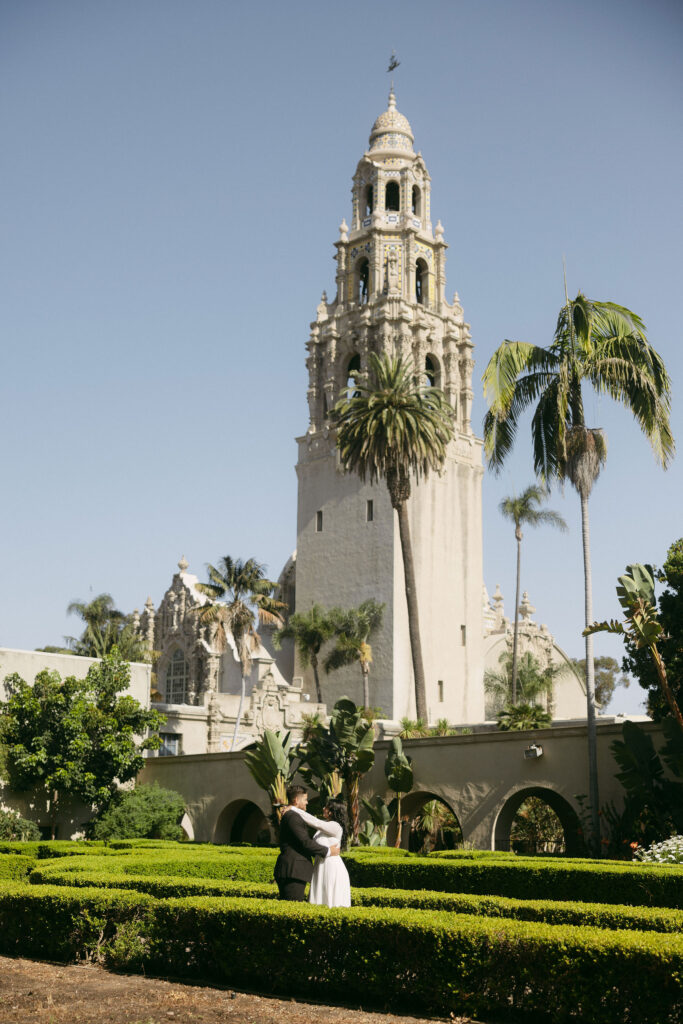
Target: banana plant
[
  {"x": 374, "y": 830},
  {"x": 636, "y": 595},
  {"x": 343, "y": 751},
  {"x": 399, "y": 773},
  {"x": 273, "y": 763}
]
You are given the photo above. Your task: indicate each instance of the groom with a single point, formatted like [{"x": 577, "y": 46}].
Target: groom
[{"x": 293, "y": 868}]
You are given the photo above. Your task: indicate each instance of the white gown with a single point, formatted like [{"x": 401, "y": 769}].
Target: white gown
[{"x": 330, "y": 885}]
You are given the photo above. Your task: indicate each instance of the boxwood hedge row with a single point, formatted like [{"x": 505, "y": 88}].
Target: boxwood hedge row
[
  {"x": 652, "y": 885},
  {"x": 421, "y": 960},
  {"x": 634, "y": 885},
  {"x": 549, "y": 911}
]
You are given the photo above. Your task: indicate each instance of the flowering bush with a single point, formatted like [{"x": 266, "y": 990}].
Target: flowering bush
[{"x": 668, "y": 852}]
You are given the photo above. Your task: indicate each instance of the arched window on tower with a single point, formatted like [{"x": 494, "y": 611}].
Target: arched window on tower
[
  {"x": 363, "y": 281},
  {"x": 352, "y": 369},
  {"x": 369, "y": 200},
  {"x": 177, "y": 678},
  {"x": 430, "y": 371},
  {"x": 417, "y": 201},
  {"x": 392, "y": 196},
  {"x": 421, "y": 282}
]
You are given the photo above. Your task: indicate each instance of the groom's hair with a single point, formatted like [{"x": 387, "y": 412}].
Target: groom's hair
[{"x": 295, "y": 791}]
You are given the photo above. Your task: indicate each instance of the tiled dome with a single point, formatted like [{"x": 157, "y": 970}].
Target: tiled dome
[{"x": 391, "y": 130}]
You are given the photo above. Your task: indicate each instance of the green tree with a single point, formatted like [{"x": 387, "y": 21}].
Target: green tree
[
  {"x": 15, "y": 829},
  {"x": 532, "y": 680},
  {"x": 146, "y": 812},
  {"x": 523, "y": 510},
  {"x": 536, "y": 829},
  {"x": 353, "y": 629},
  {"x": 669, "y": 609},
  {"x": 75, "y": 737},
  {"x": 435, "y": 825},
  {"x": 271, "y": 762},
  {"x": 309, "y": 631},
  {"x": 607, "y": 677},
  {"x": 249, "y": 597},
  {"x": 391, "y": 427},
  {"x": 374, "y": 830},
  {"x": 399, "y": 772},
  {"x": 105, "y": 628},
  {"x": 596, "y": 343}
]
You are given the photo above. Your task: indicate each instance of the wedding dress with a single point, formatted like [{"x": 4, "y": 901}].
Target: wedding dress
[{"x": 330, "y": 885}]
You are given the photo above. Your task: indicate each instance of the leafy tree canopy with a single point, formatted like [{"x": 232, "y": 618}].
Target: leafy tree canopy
[
  {"x": 670, "y": 613},
  {"x": 607, "y": 677},
  {"x": 15, "y": 829},
  {"x": 146, "y": 812},
  {"x": 75, "y": 737}
]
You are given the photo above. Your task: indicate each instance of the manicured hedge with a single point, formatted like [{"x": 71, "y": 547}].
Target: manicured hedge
[
  {"x": 196, "y": 863},
  {"x": 16, "y": 867},
  {"x": 634, "y": 885},
  {"x": 424, "y": 961},
  {"x": 549, "y": 911}
]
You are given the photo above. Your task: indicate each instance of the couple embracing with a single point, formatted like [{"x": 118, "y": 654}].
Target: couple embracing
[{"x": 330, "y": 885}]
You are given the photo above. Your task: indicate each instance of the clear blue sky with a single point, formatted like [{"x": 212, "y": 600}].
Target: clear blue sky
[{"x": 173, "y": 177}]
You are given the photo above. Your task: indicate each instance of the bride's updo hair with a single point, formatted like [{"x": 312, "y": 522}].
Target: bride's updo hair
[{"x": 339, "y": 814}]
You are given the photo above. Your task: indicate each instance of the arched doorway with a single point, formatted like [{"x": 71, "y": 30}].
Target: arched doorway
[
  {"x": 427, "y": 823},
  {"x": 243, "y": 821},
  {"x": 562, "y": 810},
  {"x": 187, "y": 826}
]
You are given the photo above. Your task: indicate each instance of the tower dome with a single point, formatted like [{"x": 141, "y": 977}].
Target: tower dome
[{"x": 391, "y": 130}]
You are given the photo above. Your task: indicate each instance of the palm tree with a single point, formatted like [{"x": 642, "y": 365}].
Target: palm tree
[
  {"x": 246, "y": 588},
  {"x": 105, "y": 628},
  {"x": 524, "y": 510},
  {"x": 353, "y": 629},
  {"x": 532, "y": 681},
  {"x": 604, "y": 345},
  {"x": 392, "y": 426},
  {"x": 309, "y": 631}
]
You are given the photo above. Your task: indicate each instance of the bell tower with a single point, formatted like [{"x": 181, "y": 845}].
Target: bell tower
[{"x": 390, "y": 298}]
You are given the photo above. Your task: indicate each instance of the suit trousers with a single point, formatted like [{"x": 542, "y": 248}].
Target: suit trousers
[{"x": 292, "y": 889}]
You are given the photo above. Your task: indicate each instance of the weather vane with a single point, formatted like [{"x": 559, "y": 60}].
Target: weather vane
[{"x": 393, "y": 63}]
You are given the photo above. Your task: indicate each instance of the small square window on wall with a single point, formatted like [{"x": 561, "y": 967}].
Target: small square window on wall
[
  {"x": 463, "y": 635},
  {"x": 369, "y": 511},
  {"x": 319, "y": 521},
  {"x": 440, "y": 685}
]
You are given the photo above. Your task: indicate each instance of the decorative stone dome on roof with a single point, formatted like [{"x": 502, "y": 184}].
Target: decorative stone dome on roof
[{"x": 391, "y": 130}]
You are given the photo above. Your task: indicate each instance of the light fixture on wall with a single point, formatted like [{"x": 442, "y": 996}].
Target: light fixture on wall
[
  {"x": 306, "y": 696},
  {"x": 533, "y": 750}
]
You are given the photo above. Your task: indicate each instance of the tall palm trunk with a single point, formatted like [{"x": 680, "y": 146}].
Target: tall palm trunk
[
  {"x": 238, "y": 720},
  {"x": 413, "y": 618},
  {"x": 515, "y": 639},
  {"x": 366, "y": 683},
  {"x": 314, "y": 666},
  {"x": 590, "y": 683}
]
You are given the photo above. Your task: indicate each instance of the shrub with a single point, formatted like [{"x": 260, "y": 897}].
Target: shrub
[
  {"x": 17, "y": 829},
  {"x": 668, "y": 852},
  {"x": 146, "y": 812},
  {"x": 549, "y": 911},
  {"x": 651, "y": 885},
  {"x": 420, "y": 960}
]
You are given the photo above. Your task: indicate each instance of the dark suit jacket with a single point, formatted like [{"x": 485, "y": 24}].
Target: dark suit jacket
[{"x": 296, "y": 850}]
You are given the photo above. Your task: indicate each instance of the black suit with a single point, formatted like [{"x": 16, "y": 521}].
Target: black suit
[{"x": 293, "y": 868}]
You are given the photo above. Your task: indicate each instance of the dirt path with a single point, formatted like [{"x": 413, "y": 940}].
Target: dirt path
[{"x": 32, "y": 992}]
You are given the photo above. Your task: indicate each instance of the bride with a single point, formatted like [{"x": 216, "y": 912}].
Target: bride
[{"x": 330, "y": 885}]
